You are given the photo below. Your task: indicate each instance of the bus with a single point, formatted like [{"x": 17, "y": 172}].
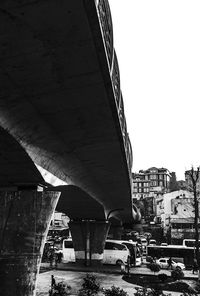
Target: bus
[
  {"x": 176, "y": 252},
  {"x": 135, "y": 253},
  {"x": 189, "y": 242}
]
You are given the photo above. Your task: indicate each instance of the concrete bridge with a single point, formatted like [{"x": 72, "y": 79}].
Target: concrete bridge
[{"x": 61, "y": 107}]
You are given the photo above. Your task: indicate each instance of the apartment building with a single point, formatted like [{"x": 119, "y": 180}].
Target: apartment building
[
  {"x": 176, "y": 212},
  {"x": 149, "y": 182}
]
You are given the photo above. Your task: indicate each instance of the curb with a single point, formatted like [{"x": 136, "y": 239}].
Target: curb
[{"x": 45, "y": 269}]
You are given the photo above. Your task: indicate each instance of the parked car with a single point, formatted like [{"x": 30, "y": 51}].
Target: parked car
[
  {"x": 143, "y": 241},
  {"x": 163, "y": 263},
  {"x": 148, "y": 235},
  {"x": 152, "y": 242},
  {"x": 164, "y": 244}
]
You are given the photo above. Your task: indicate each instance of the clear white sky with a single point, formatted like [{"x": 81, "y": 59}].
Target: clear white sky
[{"x": 158, "y": 47}]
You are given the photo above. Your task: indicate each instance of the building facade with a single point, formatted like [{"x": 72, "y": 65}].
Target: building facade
[
  {"x": 149, "y": 182},
  {"x": 188, "y": 180},
  {"x": 176, "y": 212},
  {"x": 59, "y": 225},
  {"x": 148, "y": 185}
]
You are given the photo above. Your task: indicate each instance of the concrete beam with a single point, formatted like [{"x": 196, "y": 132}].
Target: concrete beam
[{"x": 77, "y": 204}]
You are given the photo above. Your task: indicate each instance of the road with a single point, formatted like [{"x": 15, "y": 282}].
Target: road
[
  {"x": 107, "y": 276},
  {"x": 113, "y": 269}
]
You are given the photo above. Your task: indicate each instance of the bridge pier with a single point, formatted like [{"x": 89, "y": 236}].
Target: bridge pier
[
  {"x": 89, "y": 240},
  {"x": 24, "y": 220},
  {"x": 116, "y": 231}
]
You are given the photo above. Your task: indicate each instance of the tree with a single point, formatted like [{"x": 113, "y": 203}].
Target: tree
[
  {"x": 90, "y": 286},
  {"x": 177, "y": 274},
  {"x": 115, "y": 291},
  {"x": 154, "y": 267},
  {"x": 193, "y": 178}
]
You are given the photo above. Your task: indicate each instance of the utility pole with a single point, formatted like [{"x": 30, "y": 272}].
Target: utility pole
[
  {"x": 194, "y": 177},
  {"x": 169, "y": 234}
]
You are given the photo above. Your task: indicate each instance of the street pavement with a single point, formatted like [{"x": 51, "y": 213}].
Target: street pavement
[
  {"x": 107, "y": 275},
  {"x": 113, "y": 269}
]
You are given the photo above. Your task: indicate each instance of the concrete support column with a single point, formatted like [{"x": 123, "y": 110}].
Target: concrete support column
[
  {"x": 116, "y": 231},
  {"x": 89, "y": 240},
  {"x": 24, "y": 221}
]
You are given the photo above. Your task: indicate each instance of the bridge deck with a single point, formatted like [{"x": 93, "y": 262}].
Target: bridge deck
[{"x": 57, "y": 97}]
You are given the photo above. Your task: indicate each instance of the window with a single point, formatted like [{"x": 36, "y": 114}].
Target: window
[
  {"x": 153, "y": 177},
  {"x": 108, "y": 246},
  {"x": 68, "y": 244},
  {"x": 153, "y": 171},
  {"x": 114, "y": 246},
  {"x": 154, "y": 183},
  {"x": 190, "y": 243}
]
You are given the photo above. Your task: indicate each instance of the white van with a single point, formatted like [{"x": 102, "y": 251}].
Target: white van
[
  {"x": 135, "y": 253},
  {"x": 114, "y": 252},
  {"x": 134, "y": 250},
  {"x": 68, "y": 251}
]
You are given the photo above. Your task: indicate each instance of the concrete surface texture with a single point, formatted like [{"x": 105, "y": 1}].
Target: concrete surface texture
[
  {"x": 21, "y": 239},
  {"x": 58, "y": 97}
]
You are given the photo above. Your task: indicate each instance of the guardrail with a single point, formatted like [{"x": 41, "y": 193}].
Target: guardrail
[
  {"x": 115, "y": 76},
  {"x": 103, "y": 9},
  {"x": 105, "y": 19}
]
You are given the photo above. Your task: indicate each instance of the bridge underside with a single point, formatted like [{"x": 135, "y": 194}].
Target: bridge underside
[
  {"x": 78, "y": 205},
  {"x": 57, "y": 97},
  {"x": 58, "y": 109}
]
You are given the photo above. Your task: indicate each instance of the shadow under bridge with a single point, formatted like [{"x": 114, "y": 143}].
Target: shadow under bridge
[{"x": 61, "y": 101}]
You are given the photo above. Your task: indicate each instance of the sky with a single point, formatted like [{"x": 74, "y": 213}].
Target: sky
[{"x": 158, "y": 48}]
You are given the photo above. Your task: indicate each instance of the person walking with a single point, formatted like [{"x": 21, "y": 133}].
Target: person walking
[
  {"x": 53, "y": 286},
  {"x": 59, "y": 257},
  {"x": 169, "y": 261},
  {"x": 195, "y": 266},
  {"x": 53, "y": 282},
  {"x": 128, "y": 265},
  {"x": 51, "y": 256}
]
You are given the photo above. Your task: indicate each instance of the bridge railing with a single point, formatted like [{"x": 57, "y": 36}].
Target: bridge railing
[
  {"x": 127, "y": 143},
  {"x": 103, "y": 9},
  {"x": 115, "y": 76},
  {"x": 105, "y": 18}
]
